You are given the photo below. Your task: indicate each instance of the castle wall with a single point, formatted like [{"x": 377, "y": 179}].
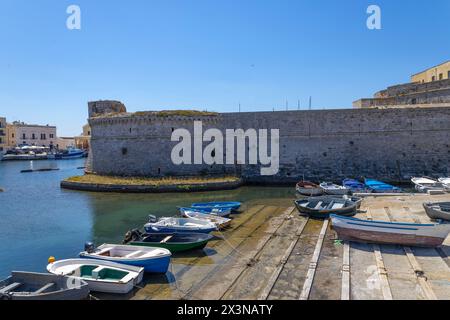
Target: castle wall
[{"x": 391, "y": 144}]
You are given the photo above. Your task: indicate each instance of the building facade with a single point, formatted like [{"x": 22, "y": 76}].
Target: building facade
[
  {"x": 3, "y": 135},
  {"x": 83, "y": 141},
  {"x": 20, "y": 133},
  {"x": 65, "y": 142},
  {"x": 436, "y": 73}
]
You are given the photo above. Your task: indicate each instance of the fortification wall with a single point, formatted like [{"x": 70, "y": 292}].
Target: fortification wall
[{"x": 391, "y": 144}]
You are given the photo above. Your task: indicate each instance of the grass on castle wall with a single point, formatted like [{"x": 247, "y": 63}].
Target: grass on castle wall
[{"x": 138, "y": 181}]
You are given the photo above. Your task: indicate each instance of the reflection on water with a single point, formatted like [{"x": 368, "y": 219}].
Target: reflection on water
[{"x": 39, "y": 219}]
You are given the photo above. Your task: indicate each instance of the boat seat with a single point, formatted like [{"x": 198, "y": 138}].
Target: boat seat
[
  {"x": 319, "y": 205},
  {"x": 45, "y": 288},
  {"x": 133, "y": 254},
  {"x": 11, "y": 287},
  {"x": 337, "y": 206},
  {"x": 96, "y": 272},
  {"x": 330, "y": 205}
]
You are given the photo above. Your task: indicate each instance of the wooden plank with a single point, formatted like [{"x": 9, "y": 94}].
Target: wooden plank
[
  {"x": 313, "y": 264},
  {"x": 260, "y": 247},
  {"x": 382, "y": 272},
  {"x": 273, "y": 279},
  {"x": 345, "y": 289},
  {"x": 417, "y": 268}
]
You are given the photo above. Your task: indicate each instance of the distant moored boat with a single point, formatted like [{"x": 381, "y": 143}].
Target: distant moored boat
[
  {"x": 308, "y": 188},
  {"x": 425, "y": 184},
  {"x": 381, "y": 187},
  {"x": 334, "y": 189},
  {"x": 355, "y": 186}
]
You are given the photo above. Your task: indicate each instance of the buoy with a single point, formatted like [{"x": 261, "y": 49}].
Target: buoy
[{"x": 51, "y": 259}]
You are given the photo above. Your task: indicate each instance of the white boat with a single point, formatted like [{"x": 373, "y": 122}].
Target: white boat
[
  {"x": 220, "y": 222},
  {"x": 445, "y": 181},
  {"x": 101, "y": 276},
  {"x": 425, "y": 184},
  {"x": 170, "y": 225},
  {"x": 334, "y": 189}
]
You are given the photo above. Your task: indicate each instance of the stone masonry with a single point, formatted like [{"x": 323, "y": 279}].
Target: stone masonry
[{"x": 391, "y": 144}]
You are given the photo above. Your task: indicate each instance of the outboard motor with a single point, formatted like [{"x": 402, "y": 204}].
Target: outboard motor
[
  {"x": 152, "y": 218},
  {"x": 89, "y": 247}
]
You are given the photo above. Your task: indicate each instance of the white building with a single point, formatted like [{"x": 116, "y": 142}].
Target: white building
[{"x": 20, "y": 133}]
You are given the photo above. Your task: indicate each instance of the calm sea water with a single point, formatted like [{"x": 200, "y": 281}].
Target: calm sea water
[{"x": 38, "y": 219}]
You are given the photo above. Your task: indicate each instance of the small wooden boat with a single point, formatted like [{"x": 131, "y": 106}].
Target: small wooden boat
[
  {"x": 322, "y": 207},
  {"x": 221, "y": 212},
  {"x": 172, "y": 225},
  {"x": 220, "y": 222},
  {"x": 334, "y": 189},
  {"x": 425, "y": 184},
  {"x": 307, "y": 188},
  {"x": 233, "y": 205},
  {"x": 101, "y": 275},
  {"x": 174, "y": 242},
  {"x": 42, "y": 286},
  {"x": 445, "y": 182},
  {"x": 355, "y": 186},
  {"x": 153, "y": 260},
  {"x": 381, "y": 187},
  {"x": 408, "y": 234},
  {"x": 438, "y": 210},
  {"x": 357, "y": 200}
]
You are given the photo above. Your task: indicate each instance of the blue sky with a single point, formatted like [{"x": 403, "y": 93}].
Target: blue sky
[{"x": 208, "y": 54}]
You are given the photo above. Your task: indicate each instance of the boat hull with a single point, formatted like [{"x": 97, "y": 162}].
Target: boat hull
[
  {"x": 168, "y": 229},
  {"x": 177, "y": 243},
  {"x": 233, "y": 206},
  {"x": 387, "y": 238},
  {"x": 152, "y": 265},
  {"x": 389, "y": 233},
  {"x": 172, "y": 247}
]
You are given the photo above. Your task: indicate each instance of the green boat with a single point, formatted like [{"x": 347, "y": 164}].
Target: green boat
[{"x": 174, "y": 242}]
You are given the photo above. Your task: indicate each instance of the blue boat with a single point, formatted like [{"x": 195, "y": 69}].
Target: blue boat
[
  {"x": 355, "y": 186},
  {"x": 152, "y": 259},
  {"x": 178, "y": 225},
  {"x": 215, "y": 205},
  {"x": 381, "y": 187},
  {"x": 221, "y": 212}
]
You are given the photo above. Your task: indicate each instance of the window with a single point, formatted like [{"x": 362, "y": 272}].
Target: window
[
  {"x": 33, "y": 136},
  {"x": 24, "y": 136},
  {"x": 51, "y": 135},
  {"x": 433, "y": 78},
  {"x": 43, "y": 136},
  {"x": 441, "y": 76}
]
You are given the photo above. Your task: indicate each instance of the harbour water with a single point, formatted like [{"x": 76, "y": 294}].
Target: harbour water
[{"x": 38, "y": 219}]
